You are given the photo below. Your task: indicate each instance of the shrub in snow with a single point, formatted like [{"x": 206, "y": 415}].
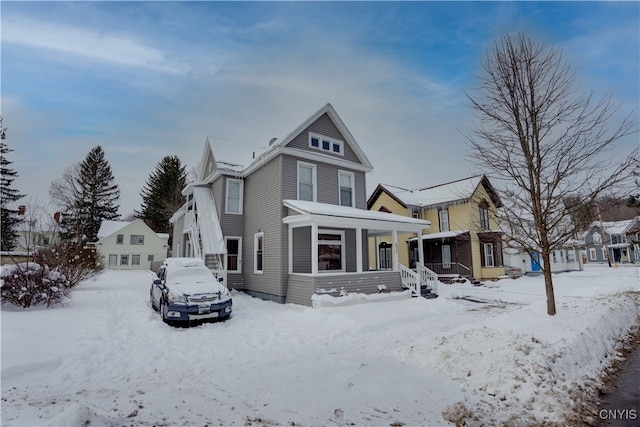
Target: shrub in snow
[
  {"x": 73, "y": 260},
  {"x": 28, "y": 284},
  {"x": 51, "y": 276}
]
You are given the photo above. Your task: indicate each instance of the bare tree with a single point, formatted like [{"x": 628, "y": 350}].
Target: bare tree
[
  {"x": 542, "y": 144},
  {"x": 66, "y": 194}
]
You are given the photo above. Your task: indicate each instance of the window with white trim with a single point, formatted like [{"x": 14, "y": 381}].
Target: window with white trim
[
  {"x": 113, "y": 259},
  {"x": 235, "y": 189},
  {"x": 119, "y": 239},
  {"x": 331, "y": 256},
  {"x": 124, "y": 259},
  {"x": 307, "y": 181},
  {"x": 258, "y": 253},
  {"x": 597, "y": 238},
  {"x": 592, "y": 254},
  {"x": 571, "y": 255},
  {"x": 324, "y": 143},
  {"x": 443, "y": 216},
  {"x": 488, "y": 254},
  {"x": 135, "y": 259},
  {"x": 234, "y": 251},
  {"x": 346, "y": 188}
]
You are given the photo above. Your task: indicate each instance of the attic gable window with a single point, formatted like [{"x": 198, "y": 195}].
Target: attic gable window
[{"x": 324, "y": 143}]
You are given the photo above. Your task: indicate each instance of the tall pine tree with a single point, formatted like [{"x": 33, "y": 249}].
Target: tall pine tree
[
  {"x": 9, "y": 217},
  {"x": 99, "y": 193},
  {"x": 162, "y": 194}
]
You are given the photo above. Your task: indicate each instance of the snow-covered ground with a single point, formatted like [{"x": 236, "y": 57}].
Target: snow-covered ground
[{"x": 105, "y": 358}]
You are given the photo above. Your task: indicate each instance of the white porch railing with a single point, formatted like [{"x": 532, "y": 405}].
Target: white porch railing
[
  {"x": 428, "y": 277},
  {"x": 410, "y": 279},
  {"x": 414, "y": 279}
]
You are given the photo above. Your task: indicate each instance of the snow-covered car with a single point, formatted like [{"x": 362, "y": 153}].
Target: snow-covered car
[
  {"x": 513, "y": 272},
  {"x": 186, "y": 290}
]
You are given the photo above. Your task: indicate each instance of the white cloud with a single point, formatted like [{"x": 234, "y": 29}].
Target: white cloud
[{"x": 92, "y": 44}]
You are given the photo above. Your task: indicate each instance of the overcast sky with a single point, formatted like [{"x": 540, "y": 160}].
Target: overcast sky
[{"x": 149, "y": 79}]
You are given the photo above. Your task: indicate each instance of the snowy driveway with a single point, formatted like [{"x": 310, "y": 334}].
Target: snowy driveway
[{"x": 485, "y": 352}]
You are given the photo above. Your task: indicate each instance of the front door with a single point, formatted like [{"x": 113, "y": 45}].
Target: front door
[
  {"x": 384, "y": 254},
  {"x": 535, "y": 261}
]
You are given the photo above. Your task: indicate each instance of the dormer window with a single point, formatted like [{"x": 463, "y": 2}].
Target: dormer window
[{"x": 324, "y": 143}]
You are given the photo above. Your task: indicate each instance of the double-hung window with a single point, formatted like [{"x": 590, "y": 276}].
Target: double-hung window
[
  {"x": 488, "y": 255},
  {"x": 346, "y": 184},
  {"x": 258, "y": 252},
  {"x": 484, "y": 216},
  {"x": 307, "y": 181},
  {"x": 234, "y": 196},
  {"x": 443, "y": 215},
  {"x": 119, "y": 239}
]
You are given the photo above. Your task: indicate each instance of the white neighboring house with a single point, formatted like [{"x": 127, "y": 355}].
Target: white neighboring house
[
  {"x": 567, "y": 259},
  {"x": 130, "y": 245}
]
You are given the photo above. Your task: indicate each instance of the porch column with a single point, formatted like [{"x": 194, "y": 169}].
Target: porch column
[
  {"x": 314, "y": 249},
  {"x": 359, "y": 250},
  {"x": 290, "y": 254},
  {"x": 420, "y": 248},
  {"x": 394, "y": 238}
]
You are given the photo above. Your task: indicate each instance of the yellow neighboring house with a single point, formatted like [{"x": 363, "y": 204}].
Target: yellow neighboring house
[{"x": 464, "y": 238}]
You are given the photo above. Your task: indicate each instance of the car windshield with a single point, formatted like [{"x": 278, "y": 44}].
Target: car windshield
[{"x": 189, "y": 275}]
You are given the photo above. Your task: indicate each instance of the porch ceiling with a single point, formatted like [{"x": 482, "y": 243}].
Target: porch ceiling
[{"x": 326, "y": 215}]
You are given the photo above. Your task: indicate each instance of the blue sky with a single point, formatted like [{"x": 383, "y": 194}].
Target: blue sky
[{"x": 150, "y": 79}]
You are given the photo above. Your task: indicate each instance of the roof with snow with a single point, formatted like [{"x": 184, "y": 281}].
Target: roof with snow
[
  {"x": 108, "y": 227},
  {"x": 440, "y": 194},
  {"x": 616, "y": 227}
]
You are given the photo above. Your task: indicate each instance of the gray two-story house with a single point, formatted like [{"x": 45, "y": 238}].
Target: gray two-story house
[
  {"x": 294, "y": 222},
  {"x": 615, "y": 241}
]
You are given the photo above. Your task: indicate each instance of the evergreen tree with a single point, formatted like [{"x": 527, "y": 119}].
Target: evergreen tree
[
  {"x": 9, "y": 217},
  {"x": 99, "y": 191},
  {"x": 162, "y": 194}
]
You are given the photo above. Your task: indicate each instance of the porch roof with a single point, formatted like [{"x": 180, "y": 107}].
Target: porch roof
[
  {"x": 441, "y": 235},
  {"x": 324, "y": 214}
]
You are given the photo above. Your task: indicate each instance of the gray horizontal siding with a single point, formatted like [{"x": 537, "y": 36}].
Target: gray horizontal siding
[
  {"x": 263, "y": 213},
  {"x": 299, "y": 289},
  {"x": 327, "y": 182},
  {"x": 366, "y": 282},
  {"x": 302, "y": 250}
]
